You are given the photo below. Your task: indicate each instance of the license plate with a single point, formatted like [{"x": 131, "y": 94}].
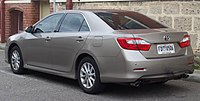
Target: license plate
[{"x": 165, "y": 48}]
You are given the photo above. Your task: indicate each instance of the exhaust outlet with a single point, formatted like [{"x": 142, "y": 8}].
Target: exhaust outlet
[{"x": 136, "y": 84}]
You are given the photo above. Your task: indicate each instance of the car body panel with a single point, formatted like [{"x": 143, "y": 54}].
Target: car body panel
[
  {"x": 156, "y": 37},
  {"x": 127, "y": 59}
]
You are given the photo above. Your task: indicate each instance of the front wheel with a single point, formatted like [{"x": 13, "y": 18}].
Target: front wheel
[
  {"x": 16, "y": 60},
  {"x": 89, "y": 76}
]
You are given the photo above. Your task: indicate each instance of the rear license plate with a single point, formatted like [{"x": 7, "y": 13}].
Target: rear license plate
[{"x": 165, "y": 48}]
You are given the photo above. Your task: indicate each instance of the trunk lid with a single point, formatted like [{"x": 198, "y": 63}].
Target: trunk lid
[{"x": 159, "y": 38}]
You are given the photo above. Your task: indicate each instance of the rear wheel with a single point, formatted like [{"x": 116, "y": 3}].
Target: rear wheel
[
  {"x": 89, "y": 77},
  {"x": 16, "y": 60}
]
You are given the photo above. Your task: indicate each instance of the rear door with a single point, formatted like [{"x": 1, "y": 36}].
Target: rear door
[{"x": 66, "y": 43}]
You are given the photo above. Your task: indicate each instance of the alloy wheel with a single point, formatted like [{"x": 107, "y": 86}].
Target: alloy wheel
[
  {"x": 87, "y": 75},
  {"x": 15, "y": 60}
]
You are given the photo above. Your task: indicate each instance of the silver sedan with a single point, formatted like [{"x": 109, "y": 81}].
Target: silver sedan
[{"x": 102, "y": 46}]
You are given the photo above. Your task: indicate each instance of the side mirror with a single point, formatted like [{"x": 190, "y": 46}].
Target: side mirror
[{"x": 29, "y": 29}]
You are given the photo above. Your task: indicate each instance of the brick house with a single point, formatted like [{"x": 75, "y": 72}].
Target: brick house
[
  {"x": 19, "y": 14},
  {"x": 183, "y": 15}
]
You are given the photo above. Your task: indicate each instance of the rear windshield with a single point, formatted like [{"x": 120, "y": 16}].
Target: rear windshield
[{"x": 128, "y": 20}]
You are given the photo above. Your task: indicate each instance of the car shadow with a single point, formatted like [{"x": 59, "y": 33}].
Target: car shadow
[
  {"x": 148, "y": 91},
  {"x": 51, "y": 78},
  {"x": 171, "y": 88}
]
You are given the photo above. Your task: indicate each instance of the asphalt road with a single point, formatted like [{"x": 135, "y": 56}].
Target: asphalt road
[{"x": 36, "y": 86}]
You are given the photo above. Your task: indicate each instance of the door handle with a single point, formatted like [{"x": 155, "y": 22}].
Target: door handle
[
  {"x": 79, "y": 39},
  {"x": 47, "y": 38}
]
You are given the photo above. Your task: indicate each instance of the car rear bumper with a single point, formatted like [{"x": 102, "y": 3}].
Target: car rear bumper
[
  {"x": 121, "y": 69},
  {"x": 163, "y": 77},
  {"x": 149, "y": 78}
]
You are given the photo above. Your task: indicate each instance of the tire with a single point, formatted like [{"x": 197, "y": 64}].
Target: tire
[
  {"x": 16, "y": 61},
  {"x": 89, "y": 80}
]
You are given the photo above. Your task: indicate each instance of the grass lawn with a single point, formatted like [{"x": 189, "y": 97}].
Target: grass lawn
[{"x": 197, "y": 67}]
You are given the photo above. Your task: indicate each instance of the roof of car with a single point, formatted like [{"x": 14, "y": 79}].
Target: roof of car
[
  {"x": 95, "y": 10},
  {"x": 106, "y": 10}
]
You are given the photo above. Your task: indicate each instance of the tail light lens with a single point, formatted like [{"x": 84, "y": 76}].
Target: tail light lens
[
  {"x": 134, "y": 44},
  {"x": 185, "y": 42}
]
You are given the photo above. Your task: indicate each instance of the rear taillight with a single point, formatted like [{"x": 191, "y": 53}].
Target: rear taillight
[
  {"x": 134, "y": 44},
  {"x": 185, "y": 42}
]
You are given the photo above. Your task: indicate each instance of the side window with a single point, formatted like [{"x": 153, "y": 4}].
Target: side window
[
  {"x": 71, "y": 23},
  {"x": 84, "y": 26},
  {"x": 49, "y": 24}
]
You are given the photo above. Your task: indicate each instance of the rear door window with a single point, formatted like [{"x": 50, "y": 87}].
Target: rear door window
[
  {"x": 72, "y": 23},
  {"x": 84, "y": 26}
]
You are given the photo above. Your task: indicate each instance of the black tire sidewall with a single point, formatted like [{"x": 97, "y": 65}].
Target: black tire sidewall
[
  {"x": 96, "y": 88},
  {"x": 21, "y": 68}
]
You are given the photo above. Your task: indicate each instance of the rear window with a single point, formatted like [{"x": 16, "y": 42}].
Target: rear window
[{"x": 128, "y": 20}]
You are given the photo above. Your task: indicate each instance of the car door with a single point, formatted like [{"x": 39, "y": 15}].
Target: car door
[
  {"x": 66, "y": 43},
  {"x": 36, "y": 43}
]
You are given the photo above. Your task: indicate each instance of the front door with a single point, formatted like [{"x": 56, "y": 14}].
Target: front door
[{"x": 37, "y": 49}]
